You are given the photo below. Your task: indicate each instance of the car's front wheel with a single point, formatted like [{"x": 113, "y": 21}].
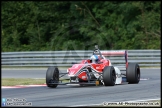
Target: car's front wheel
[
  {"x": 52, "y": 76},
  {"x": 109, "y": 76}
]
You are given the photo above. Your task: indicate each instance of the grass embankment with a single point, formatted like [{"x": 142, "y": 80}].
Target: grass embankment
[{"x": 23, "y": 81}]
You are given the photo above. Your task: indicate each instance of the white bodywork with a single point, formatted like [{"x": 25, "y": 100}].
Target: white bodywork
[{"x": 118, "y": 76}]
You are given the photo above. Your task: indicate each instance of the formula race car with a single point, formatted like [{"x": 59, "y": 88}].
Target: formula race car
[{"x": 96, "y": 71}]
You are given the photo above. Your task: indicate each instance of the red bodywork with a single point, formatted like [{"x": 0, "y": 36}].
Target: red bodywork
[
  {"x": 98, "y": 67},
  {"x": 77, "y": 70}
]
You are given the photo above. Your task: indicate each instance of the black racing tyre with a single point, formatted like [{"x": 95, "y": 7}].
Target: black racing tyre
[
  {"x": 52, "y": 75},
  {"x": 133, "y": 73},
  {"x": 109, "y": 76}
]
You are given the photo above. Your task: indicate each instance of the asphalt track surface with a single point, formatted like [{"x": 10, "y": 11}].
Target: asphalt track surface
[{"x": 148, "y": 88}]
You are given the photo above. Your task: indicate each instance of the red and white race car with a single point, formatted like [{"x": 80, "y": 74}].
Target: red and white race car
[{"x": 96, "y": 71}]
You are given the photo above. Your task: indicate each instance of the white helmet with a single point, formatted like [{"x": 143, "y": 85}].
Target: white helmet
[{"x": 94, "y": 58}]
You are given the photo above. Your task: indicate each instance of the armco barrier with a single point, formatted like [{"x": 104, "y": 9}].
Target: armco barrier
[{"x": 145, "y": 58}]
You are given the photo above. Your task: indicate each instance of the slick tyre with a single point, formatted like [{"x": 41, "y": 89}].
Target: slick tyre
[
  {"x": 133, "y": 73},
  {"x": 109, "y": 76},
  {"x": 52, "y": 76}
]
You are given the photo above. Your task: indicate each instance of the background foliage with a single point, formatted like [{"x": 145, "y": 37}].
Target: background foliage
[{"x": 66, "y": 25}]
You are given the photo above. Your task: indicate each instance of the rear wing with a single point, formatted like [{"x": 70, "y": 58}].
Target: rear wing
[{"x": 117, "y": 53}]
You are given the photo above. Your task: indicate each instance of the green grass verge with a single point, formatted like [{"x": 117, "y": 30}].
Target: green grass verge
[{"x": 23, "y": 81}]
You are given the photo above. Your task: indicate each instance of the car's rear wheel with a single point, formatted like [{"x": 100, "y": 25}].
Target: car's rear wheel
[
  {"x": 133, "y": 73},
  {"x": 109, "y": 76},
  {"x": 52, "y": 76}
]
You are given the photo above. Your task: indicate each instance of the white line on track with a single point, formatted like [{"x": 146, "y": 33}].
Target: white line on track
[{"x": 22, "y": 86}]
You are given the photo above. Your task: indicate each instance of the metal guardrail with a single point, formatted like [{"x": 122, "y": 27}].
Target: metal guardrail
[{"x": 145, "y": 58}]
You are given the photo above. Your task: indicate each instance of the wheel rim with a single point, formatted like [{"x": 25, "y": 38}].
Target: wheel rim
[
  {"x": 55, "y": 75},
  {"x": 138, "y": 74},
  {"x": 113, "y": 76}
]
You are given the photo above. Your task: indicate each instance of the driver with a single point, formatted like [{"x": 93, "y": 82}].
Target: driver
[{"x": 94, "y": 59}]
